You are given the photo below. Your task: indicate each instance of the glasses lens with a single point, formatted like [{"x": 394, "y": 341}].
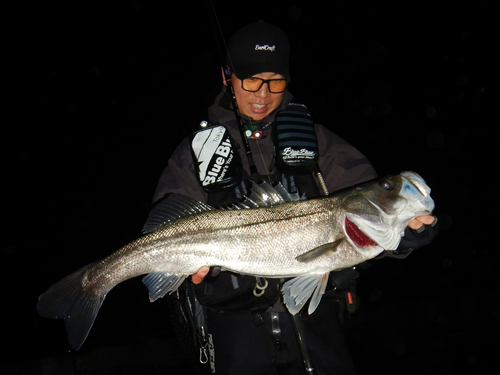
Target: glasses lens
[
  {"x": 277, "y": 85},
  {"x": 254, "y": 84}
]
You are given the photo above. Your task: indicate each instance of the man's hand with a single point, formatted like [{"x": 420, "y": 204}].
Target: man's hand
[
  {"x": 419, "y": 221},
  {"x": 200, "y": 275}
]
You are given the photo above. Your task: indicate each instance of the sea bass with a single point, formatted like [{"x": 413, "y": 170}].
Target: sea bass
[{"x": 302, "y": 240}]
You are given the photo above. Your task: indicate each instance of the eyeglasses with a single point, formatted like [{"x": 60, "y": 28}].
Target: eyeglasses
[{"x": 254, "y": 84}]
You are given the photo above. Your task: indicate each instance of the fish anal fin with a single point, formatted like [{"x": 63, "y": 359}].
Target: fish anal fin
[
  {"x": 297, "y": 291},
  {"x": 161, "y": 283},
  {"x": 318, "y": 293},
  {"x": 326, "y": 249}
]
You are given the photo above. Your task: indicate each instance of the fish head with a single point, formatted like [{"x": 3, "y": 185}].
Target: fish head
[{"x": 377, "y": 212}]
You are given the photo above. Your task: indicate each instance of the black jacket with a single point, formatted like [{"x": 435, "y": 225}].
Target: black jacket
[{"x": 342, "y": 166}]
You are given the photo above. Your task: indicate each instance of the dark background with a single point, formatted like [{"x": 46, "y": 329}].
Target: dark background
[{"x": 99, "y": 93}]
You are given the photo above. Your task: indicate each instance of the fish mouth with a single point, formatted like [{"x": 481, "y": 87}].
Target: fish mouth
[
  {"x": 357, "y": 236},
  {"x": 418, "y": 182}
]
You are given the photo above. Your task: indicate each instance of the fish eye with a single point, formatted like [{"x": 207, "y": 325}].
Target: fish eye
[{"x": 385, "y": 185}]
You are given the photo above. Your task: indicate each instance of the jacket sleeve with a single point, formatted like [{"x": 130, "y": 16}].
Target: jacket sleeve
[
  {"x": 179, "y": 176},
  {"x": 342, "y": 164}
]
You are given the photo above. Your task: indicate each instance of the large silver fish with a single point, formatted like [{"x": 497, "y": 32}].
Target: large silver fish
[{"x": 302, "y": 240}]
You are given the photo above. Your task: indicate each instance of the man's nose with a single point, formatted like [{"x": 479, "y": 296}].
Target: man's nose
[{"x": 263, "y": 92}]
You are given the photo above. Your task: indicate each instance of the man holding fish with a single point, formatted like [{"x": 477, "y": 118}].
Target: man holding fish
[{"x": 268, "y": 138}]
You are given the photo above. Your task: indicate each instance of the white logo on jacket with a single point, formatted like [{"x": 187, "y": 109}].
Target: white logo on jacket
[{"x": 290, "y": 153}]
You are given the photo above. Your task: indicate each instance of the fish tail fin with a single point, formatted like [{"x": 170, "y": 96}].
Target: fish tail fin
[{"x": 69, "y": 300}]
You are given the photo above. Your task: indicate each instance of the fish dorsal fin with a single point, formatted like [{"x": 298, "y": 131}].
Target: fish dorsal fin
[
  {"x": 263, "y": 194},
  {"x": 319, "y": 251},
  {"x": 173, "y": 207},
  {"x": 297, "y": 291},
  {"x": 159, "y": 284}
]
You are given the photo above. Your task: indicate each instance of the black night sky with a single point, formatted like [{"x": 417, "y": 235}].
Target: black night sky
[{"x": 98, "y": 94}]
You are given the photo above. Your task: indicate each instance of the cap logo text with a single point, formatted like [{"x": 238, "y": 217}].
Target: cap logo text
[{"x": 266, "y": 47}]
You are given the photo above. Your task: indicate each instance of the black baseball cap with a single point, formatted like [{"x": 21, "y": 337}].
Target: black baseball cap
[{"x": 258, "y": 47}]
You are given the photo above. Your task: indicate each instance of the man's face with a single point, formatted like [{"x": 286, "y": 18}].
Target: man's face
[{"x": 258, "y": 104}]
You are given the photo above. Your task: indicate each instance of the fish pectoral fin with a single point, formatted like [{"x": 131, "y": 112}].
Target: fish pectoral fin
[
  {"x": 319, "y": 251},
  {"x": 297, "y": 291},
  {"x": 161, "y": 283}
]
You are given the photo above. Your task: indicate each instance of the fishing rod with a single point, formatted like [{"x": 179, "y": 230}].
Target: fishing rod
[
  {"x": 223, "y": 50},
  {"x": 297, "y": 324},
  {"x": 244, "y": 138},
  {"x": 309, "y": 368}
]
